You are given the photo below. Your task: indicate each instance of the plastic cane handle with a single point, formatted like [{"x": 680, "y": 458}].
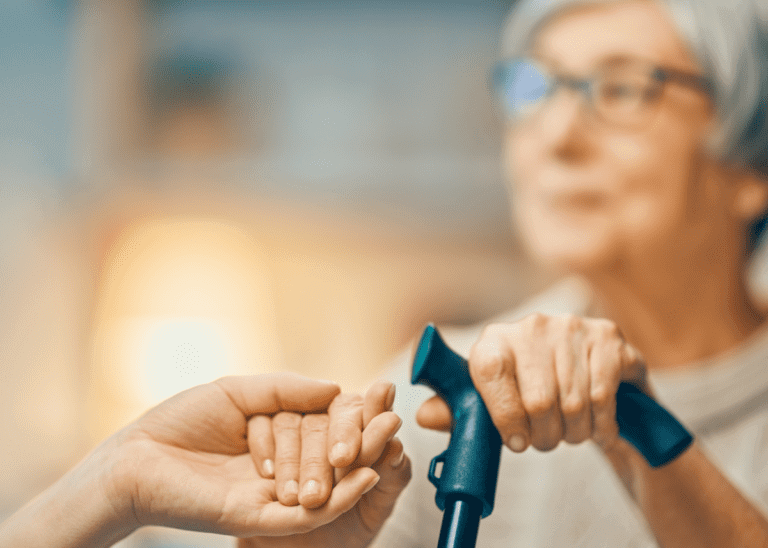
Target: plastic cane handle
[{"x": 649, "y": 427}]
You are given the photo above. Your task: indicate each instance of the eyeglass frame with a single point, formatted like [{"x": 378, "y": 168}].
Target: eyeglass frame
[{"x": 661, "y": 75}]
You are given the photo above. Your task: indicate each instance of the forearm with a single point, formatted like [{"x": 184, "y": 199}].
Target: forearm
[
  {"x": 79, "y": 510},
  {"x": 689, "y": 502}
]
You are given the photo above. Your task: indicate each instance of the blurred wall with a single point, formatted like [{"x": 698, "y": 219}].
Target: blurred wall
[{"x": 196, "y": 188}]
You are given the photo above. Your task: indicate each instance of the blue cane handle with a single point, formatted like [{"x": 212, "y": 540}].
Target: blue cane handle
[{"x": 649, "y": 427}]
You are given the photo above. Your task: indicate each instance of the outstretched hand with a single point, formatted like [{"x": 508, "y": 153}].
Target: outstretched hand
[
  {"x": 196, "y": 461},
  {"x": 187, "y": 462}
]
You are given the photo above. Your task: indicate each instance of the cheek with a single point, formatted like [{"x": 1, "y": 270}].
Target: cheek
[
  {"x": 520, "y": 158},
  {"x": 655, "y": 193}
]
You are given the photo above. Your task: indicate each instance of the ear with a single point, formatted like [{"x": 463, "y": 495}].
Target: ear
[{"x": 751, "y": 196}]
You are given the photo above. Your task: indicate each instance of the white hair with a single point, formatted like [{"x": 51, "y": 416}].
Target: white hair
[{"x": 729, "y": 39}]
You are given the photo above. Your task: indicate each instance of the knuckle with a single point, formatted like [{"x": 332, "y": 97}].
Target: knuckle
[
  {"x": 345, "y": 424},
  {"x": 287, "y": 462},
  {"x": 515, "y": 416},
  {"x": 607, "y": 329},
  {"x": 486, "y": 366},
  {"x": 538, "y": 405},
  {"x": 314, "y": 423},
  {"x": 571, "y": 322},
  {"x": 286, "y": 420},
  {"x": 314, "y": 461},
  {"x": 572, "y": 406},
  {"x": 535, "y": 321},
  {"x": 601, "y": 395}
]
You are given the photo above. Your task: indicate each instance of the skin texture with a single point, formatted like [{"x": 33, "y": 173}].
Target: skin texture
[
  {"x": 187, "y": 464},
  {"x": 351, "y": 415},
  {"x": 657, "y": 225}
]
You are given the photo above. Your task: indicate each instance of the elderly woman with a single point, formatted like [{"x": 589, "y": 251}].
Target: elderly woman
[{"x": 637, "y": 148}]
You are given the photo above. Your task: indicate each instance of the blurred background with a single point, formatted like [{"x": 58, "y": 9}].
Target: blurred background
[{"x": 191, "y": 189}]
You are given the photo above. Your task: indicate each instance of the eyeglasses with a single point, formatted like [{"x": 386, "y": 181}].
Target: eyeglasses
[{"x": 622, "y": 93}]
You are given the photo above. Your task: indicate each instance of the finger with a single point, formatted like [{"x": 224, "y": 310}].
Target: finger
[
  {"x": 394, "y": 468},
  {"x": 261, "y": 444},
  {"x": 633, "y": 367},
  {"x": 379, "y": 398},
  {"x": 537, "y": 381},
  {"x": 376, "y": 436},
  {"x": 286, "y": 428},
  {"x": 345, "y": 429},
  {"x": 435, "y": 414},
  {"x": 392, "y": 455},
  {"x": 492, "y": 368},
  {"x": 277, "y": 519},
  {"x": 572, "y": 366},
  {"x": 605, "y": 375},
  {"x": 316, "y": 474},
  {"x": 271, "y": 393}
]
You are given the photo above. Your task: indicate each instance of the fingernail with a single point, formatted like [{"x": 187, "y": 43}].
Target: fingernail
[
  {"x": 397, "y": 460},
  {"x": 391, "y": 397},
  {"x": 372, "y": 484},
  {"x": 339, "y": 452},
  {"x": 291, "y": 488},
  {"x": 269, "y": 468},
  {"x": 517, "y": 443},
  {"x": 310, "y": 489}
]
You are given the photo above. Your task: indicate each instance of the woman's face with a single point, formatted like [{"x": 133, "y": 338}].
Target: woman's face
[{"x": 586, "y": 192}]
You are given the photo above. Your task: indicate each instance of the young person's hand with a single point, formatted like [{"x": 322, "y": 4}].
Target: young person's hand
[{"x": 187, "y": 464}]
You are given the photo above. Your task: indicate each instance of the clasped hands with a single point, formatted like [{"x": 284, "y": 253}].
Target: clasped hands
[
  {"x": 298, "y": 458},
  {"x": 285, "y": 461},
  {"x": 264, "y": 456}
]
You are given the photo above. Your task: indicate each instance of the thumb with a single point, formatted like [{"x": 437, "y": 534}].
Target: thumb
[{"x": 435, "y": 414}]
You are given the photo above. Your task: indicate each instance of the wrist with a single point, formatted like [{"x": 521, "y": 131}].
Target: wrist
[
  {"x": 101, "y": 488},
  {"x": 81, "y": 509},
  {"x": 115, "y": 477},
  {"x": 627, "y": 462}
]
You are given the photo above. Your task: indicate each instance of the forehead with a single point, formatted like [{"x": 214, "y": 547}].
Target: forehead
[{"x": 582, "y": 37}]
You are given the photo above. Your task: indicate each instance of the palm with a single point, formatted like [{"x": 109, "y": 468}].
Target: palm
[{"x": 195, "y": 465}]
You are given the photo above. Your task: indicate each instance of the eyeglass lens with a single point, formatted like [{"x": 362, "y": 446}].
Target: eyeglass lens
[{"x": 619, "y": 95}]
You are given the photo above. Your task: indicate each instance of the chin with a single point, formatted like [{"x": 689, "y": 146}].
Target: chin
[{"x": 571, "y": 252}]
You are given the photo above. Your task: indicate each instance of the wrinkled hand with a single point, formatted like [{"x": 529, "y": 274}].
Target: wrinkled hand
[
  {"x": 309, "y": 458},
  {"x": 186, "y": 463},
  {"x": 549, "y": 378}
]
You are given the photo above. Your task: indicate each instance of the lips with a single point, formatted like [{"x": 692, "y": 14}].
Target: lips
[{"x": 576, "y": 199}]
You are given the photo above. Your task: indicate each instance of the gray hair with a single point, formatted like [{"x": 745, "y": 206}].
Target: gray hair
[{"x": 729, "y": 39}]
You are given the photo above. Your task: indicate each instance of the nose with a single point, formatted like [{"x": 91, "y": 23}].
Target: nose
[{"x": 560, "y": 123}]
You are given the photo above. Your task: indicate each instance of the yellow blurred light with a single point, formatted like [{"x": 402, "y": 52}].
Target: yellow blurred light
[{"x": 181, "y": 302}]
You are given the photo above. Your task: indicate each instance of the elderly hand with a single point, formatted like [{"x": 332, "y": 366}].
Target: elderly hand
[
  {"x": 549, "y": 378},
  {"x": 357, "y": 432}
]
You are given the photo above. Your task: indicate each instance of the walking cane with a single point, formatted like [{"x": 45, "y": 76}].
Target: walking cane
[{"x": 467, "y": 483}]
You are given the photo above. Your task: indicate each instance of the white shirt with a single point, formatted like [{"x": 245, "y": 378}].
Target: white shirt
[{"x": 570, "y": 497}]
